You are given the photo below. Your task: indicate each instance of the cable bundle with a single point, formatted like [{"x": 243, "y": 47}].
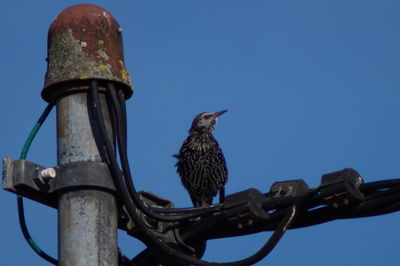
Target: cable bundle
[
  {"x": 310, "y": 207},
  {"x": 132, "y": 202}
]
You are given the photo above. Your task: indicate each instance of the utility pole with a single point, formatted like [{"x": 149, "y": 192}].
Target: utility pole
[
  {"x": 84, "y": 44},
  {"x": 87, "y": 218},
  {"x": 85, "y": 52}
]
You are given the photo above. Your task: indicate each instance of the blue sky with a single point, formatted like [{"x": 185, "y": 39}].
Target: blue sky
[{"x": 311, "y": 87}]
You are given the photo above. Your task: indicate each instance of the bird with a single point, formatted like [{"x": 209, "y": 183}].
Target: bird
[{"x": 200, "y": 162}]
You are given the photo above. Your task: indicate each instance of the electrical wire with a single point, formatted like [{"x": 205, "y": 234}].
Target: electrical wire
[
  {"x": 120, "y": 129},
  {"x": 20, "y": 200},
  {"x": 283, "y": 225},
  {"x": 118, "y": 110},
  {"x": 27, "y": 235},
  {"x": 113, "y": 165},
  {"x": 199, "y": 210},
  {"x": 381, "y": 192},
  {"x": 133, "y": 202},
  {"x": 118, "y": 99},
  {"x": 34, "y": 131},
  {"x": 181, "y": 256},
  {"x": 379, "y": 185}
]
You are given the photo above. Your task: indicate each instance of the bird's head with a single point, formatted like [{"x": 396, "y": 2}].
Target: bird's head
[{"x": 205, "y": 122}]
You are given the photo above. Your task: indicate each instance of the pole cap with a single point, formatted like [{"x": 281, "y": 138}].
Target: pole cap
[{"x": 84, "y": 43}]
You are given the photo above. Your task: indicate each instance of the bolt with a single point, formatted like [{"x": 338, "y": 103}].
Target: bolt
[{"x": 47, "y": 174}]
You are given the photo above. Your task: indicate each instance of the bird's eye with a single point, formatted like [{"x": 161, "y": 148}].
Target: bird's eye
[{"x": 207, "y": 116}]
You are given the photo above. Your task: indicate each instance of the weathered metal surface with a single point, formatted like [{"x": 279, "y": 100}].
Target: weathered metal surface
[
  {"x": 25, "y": 178},
  {"x": 75, "y": 139},
  {"x": 87, "y": 223},
  {"x": 84, "y": 42},
  {"x": 22, "y": 177},
  {"x": 87, "y": 218}
]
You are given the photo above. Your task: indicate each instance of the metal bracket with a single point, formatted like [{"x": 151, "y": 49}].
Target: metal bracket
[
  {"x": 43, "y": 184},
  {"x": 165, "y": 231}
]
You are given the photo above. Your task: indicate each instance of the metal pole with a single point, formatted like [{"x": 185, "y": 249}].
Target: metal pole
[
  {"x": 84, "y": 43},
  {"x": 87, "y": 218}
]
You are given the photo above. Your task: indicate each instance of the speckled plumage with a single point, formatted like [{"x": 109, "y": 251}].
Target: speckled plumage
[{"x": 201, "y": 163}]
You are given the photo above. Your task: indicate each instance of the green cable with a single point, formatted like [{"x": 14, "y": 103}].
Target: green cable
[
  {"x": 20, "y": 201},
  {"x": 34, "y": 131}
]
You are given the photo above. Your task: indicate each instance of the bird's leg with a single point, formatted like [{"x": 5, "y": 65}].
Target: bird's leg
[
  {"x": 205, "y": 204},
  {"x": 194, "y": 201},
  {"x": 221, "y": 195}
]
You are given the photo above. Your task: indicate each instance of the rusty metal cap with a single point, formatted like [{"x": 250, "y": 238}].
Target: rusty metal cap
[{"x": 84, "y": 42}]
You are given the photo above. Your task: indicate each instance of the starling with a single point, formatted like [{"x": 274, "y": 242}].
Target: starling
[{"x": 201, "y": 163}]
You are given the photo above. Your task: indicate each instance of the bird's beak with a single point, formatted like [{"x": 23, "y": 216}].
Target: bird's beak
[{"x": 216, "y": 114}]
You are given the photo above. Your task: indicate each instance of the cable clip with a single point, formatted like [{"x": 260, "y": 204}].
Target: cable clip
[
  {"x": 342, "y": 188},
  {"x": 291, "y": 188},
  {"x": 244, "y": 209}
]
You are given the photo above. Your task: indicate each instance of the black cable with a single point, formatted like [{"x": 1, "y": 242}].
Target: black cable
[
  {"x": 379, "y": 185},
  {"x": 118, "y": 106},
  {"x": 376, "y": 203},
  {"x": 379, "y": 201},
  {"x": 154, "y": 239},
  {"x": 124, "y": 260},
  {"x": 384, "y": 199},
  {"x": 113, "y": 165},
  {"x": 183, "y": 257},
  {"x": 198, "y": 210},
  {"x": 145, "y": 258},
  {"x": 155, "y": 242},
  {"x": 123, "y": 135},
  {"x": 114, "y": 169}
]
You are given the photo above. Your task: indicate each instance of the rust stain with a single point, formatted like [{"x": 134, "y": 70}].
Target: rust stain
[{"x": 77, "y": 50}]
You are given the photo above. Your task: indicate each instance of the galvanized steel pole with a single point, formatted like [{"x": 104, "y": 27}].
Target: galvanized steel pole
[
  {"x": 84, "y": 43},
  {"x": 87, "y": 219}
]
